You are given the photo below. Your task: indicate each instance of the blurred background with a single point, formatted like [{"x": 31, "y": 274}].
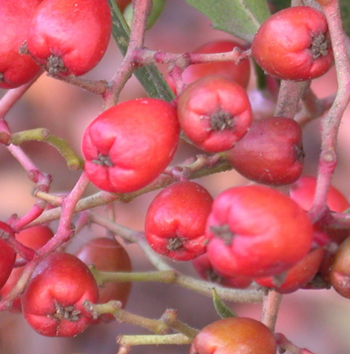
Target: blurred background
[{"x": 315, "y": 319}]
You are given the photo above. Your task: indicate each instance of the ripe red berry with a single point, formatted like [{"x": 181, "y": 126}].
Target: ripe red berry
[
  {"x": 206, "y": 271},
  {"x": 239, "y": 73},
  {"x": 234, "y": 335},
  {"x": 15, "y": 17},
  {"x": 296, "y": 277},
  {"x": 303, "y": 192},
  {"x": 34, "y": 237},
  {"x": 130, "y": 144},
  {"x": 70, "y": 37},
  {"x": 209, "y": 116},
  {"x": 7, "y": 261},
  {"x": 294, "y": 44},
  {"x": 108, "y": 255},
  {"x": 271, "y": 152},
  {"x": 256, "y": 231},
  {"x": 175, "y": 221},
  {"x": 53, "y": 299}
]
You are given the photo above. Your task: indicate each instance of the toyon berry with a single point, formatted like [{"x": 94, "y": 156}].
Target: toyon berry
[
  {"x": 70, "y": 37},
  {"x": 294, "y": 44},
  {"x": 129, "y": 145},
  {"x": 239, "y": 73},
  {"x": 296, "y": 277},
  {"x": 303, "y": 192},
  {"x": 271, "y": 152},
  {"x": 175, "y": 221},
  {"x": 256, "y": 231},
  {"x": 52, "y": 302},
  {"x": 108, "y": 255},
  {"x": 210, "y": 117},
  {"x": 16, "y": 69},
  {"x": 33, "y": 237},
  {"x": 234, "y": 335}
]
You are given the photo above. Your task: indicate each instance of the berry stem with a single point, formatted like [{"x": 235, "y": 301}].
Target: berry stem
[
  {"x": 202, "y": 166},
  {"x": 169, "y": 339},
  {"x": 170, "y": 318},
  {"x": 142, "y": 9},
  {"x": 269, "y": 313},
  {"x": 330, "y": 123},
  {"x": 289, "y": 96},
  {"x": 42, "y": 134},
  {"x": 166, "y": 276}
]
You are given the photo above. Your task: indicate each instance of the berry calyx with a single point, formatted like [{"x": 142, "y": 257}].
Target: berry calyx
[
  {"x": 175, "y": 221},
  {"x": 301, "y": 51},
  {"x": 209, "y": 116}
]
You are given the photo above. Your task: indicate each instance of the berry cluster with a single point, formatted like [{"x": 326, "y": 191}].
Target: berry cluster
[{"x": 279, "y": 232}]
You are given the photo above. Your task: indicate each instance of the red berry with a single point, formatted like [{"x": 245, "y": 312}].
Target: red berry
[
  {"x": 234, "y": 335},
  {"x": 206, "y": 271},
  {"x": 16, "y": 69},
  {"x": 70, "y": 37},
  {"x": 7, "y": 261},
  {"x": 130, "y": 144},
  {"x": 175, "y": 221},
  {"x": 294, "y": 44},
  {"x": 296, "y": 277},
  {"x": 34, "y": 237},
  {"x": 271, "y": 152},
  {"x": 256, "y": 231},
  {"x": 209, "y": 116},
  {"x": 108, "y": 255},
  {"x": 239, "y": 73},
  {"x": 52, "y": 302},
  {"x": 303, "y": 192}
]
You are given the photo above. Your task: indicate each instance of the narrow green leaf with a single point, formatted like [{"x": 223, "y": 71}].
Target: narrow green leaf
[
  {"x": 242, "y": 18},
  {"x": 149, "y": 76},
  {"x": 345, "y": 15},
  {"x": 221, "y": 308}
]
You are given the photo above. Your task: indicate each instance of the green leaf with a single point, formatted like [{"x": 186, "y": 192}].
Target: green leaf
[
  {"x": 279, "y": 4},
  {"x": 345, "y": 15},
  {"x": 221, "y": 308},
  {"x": 149, "y": 76},
  {"x": 242, "y": 18}
]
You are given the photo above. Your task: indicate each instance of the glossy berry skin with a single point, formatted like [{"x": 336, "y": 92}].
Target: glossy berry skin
[
  {"x": 256, "y": 231},
  {"x": 294, "y": 44},
  {"x": 70, "y": 37},
  {"x": 206, "y": 271},
  {"x": 16, "y": 69},
  {"x": 106, "y": 254},
  {"x": 303, "y": 192},
  {"x": 234, "y": 335},
  {"x": 34, "y": 237},
  {"x": 175, "y": 221},
  {"x": 270, "y": 153},
  {"x": 239, "y": 73},
  {"x": 7, "y": 261},
  {"x": 210, "y": 117},
  {"x": 339, "y": 275},
  {"x": 52, "y": 302},
  {"x": 296, "y": 277},
  {"x": 130, "y": 144}
]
